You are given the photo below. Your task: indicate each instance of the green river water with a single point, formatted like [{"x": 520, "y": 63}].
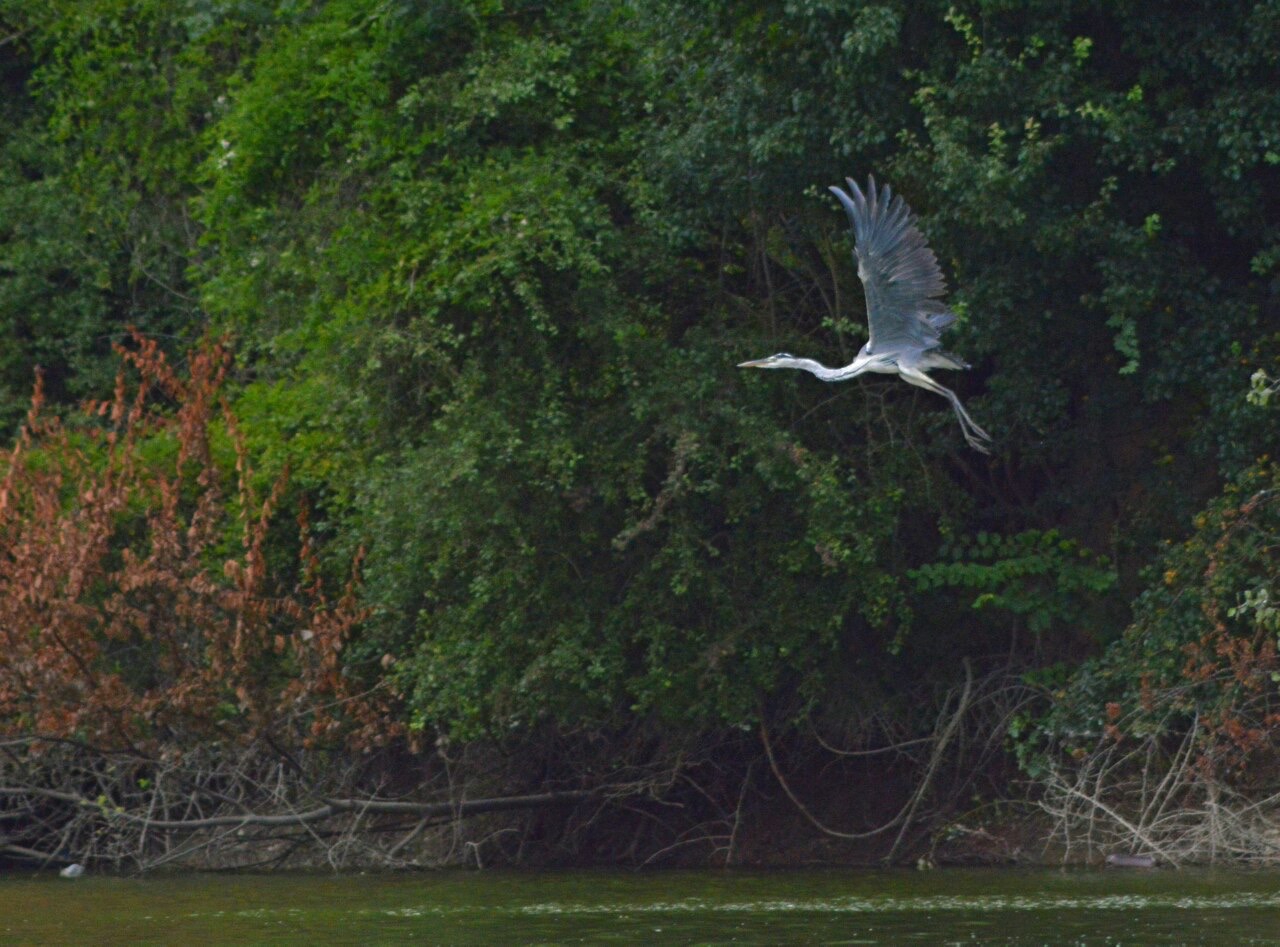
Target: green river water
[{"x": 949, "y": 906}]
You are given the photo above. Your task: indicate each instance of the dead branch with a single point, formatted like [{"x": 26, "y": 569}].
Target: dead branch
[{"x": 935, "y": 759}]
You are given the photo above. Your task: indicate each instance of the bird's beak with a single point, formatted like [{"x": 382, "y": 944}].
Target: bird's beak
[{"x": 757, "y": 363}]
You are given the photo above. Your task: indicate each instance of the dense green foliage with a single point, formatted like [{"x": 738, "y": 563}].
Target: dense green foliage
[{"x": 489, "y": 264}]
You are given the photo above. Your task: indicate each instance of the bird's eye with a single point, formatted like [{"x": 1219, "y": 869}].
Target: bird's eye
[{"x": 783, "y": 355}]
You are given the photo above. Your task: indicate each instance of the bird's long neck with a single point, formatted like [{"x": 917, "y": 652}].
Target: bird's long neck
[
  {"x": 815, "y": 368},
  {"x": 856, "y": 367}
]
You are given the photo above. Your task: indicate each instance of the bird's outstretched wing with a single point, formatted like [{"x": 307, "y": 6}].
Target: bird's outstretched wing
[{"x": 899, "y": 272}]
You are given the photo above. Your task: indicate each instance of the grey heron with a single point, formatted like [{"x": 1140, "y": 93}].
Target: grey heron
[{"x": 905, "y": 317}]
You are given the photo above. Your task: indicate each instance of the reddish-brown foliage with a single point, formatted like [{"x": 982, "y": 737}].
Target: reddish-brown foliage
[
  {"x": 137, "y": 609},
  {"x": 1238, "y": 655}
]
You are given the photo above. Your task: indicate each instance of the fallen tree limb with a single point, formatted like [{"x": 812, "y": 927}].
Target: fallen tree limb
[
  {"x": 467, "y": 807},
  {"x": 331, "y": 807},
  {"x": 21, "y": 851}
]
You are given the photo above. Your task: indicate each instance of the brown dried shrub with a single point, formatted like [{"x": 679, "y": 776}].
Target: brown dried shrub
[{"x": 137, "y": 608}]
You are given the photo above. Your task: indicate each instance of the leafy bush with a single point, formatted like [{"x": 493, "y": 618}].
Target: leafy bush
[{"x": 100, "y": 143}]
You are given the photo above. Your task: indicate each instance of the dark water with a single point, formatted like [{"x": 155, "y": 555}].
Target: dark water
[{"x": 811, "y": 907}]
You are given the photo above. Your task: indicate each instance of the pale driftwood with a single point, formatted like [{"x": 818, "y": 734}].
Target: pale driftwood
[{"x": 1131, "y": 861}]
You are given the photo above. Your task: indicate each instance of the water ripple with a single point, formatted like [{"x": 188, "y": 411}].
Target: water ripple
[{"x": 855, "y": 905}]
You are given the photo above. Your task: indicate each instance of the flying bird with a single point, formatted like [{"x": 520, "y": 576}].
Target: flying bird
[{"x": 905, "y": 316}]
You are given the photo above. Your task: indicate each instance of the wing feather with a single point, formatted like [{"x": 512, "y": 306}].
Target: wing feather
[{"x": 900, "y": 274}]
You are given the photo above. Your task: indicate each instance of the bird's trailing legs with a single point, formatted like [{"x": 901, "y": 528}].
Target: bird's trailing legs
[{"x": 978, "y": 438}]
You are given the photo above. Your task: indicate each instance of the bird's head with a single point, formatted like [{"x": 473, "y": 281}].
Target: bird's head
[{"x": 781, "y": 360}]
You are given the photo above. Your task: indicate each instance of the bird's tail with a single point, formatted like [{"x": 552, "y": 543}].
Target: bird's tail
[{"x": 940, "y": 359}]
